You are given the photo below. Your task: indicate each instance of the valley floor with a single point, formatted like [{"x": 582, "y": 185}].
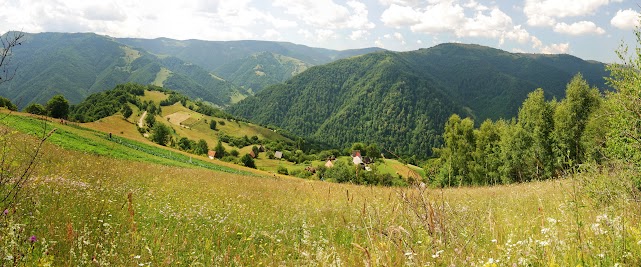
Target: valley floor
[{"x": 83, "y": 209}]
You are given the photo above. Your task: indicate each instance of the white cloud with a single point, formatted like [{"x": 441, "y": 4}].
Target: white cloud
[
  {"x": 441, "y": 17},
  {"x": 545, "y": 12},
  {"x": 448, "y": 16},
  {"x": 578, "y": 28},
  {"x": 562, "y": 48},
  {"x": 397, "y": 16},
  {"x": 492, "y": 26},
  {"x": 306, "y": 33},
  {"x": 625, "y": 19},
  {"x": 324, "y": 34},
  {"x": 517, "y": 34},
  {"x": 472, "y": 4},
  {"x": 412, "y": 3},
  {"x": 359, "y": 19},
  {"x": 358, "y": 35},
  {"x": 379, "y": 43},
  {"x": 399, "y": 37},
  {"x": 272, "y": 34},
  {"x": 104, "y": 11},
  {"x": 326, "y": 14}
]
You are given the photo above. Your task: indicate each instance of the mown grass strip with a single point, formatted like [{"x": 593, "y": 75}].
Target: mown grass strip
[{"x": 86, "y": 140}]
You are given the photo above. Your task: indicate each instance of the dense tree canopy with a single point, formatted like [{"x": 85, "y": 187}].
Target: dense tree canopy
[
  {"x": 58, "y": 107},
  {"x": 545, "y": 139}
]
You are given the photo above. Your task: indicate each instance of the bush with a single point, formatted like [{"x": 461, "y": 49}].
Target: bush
[
  {"x": 126, "y": 111},
  {"x": 248, "y": 161},
  {"x": 5, "y": 102},
  {"x": 160, "y": 134},
  {"x": 234, "y": 153},
  {"x": 36, "y": 109},
  {"x": 282, "y": 170},
  {"x": 229, "y": 159},
  {"x": 58, "y": 107},
  {"x": 301, "y": 174}
]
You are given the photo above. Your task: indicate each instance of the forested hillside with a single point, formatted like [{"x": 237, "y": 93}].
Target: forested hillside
[
  {"x": 76, "y": 65},
  {"x": 214, "y": 54},
  {"x": 402, "y": 100},
  {"x": 260, "y": 70},
  {"x": 374, "y": 97}
]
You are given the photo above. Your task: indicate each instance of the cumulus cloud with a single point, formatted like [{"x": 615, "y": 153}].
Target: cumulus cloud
[
  {"x": 104, "y": 11},
  {"x": 493, "y": 25},
  {"x": 379, "y": 43},
  {"x": 327, "y": 14},
  {"x": 562, "y": 48},
  {"x": 578, "y": 28},
  {"x": 625, "y": 19},
  {"x": 401, "y": 2},
  {"x": 272, "y": 34},
  {"x": 441, "y": 17},
  {"x": 358, "y": 35},
  {"x": 545, "y": 12},
  {"x": 472, "y": 4},
  {"x": 450, "y": 17},
  {"x": 397, "y": 16},
  {"x": 397, "y": 36},
  {"x": 359, "y": 19}
]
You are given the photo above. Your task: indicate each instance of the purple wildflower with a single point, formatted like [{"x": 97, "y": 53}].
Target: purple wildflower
[
  {"x": 5, "y": 212},
  {"x": 33, "y": 239}
]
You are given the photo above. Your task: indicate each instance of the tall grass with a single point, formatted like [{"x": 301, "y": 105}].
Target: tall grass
[{"x": 89, "y": 209}]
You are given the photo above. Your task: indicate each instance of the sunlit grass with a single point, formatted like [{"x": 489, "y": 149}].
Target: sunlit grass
[{"x": 78, "y": 207}]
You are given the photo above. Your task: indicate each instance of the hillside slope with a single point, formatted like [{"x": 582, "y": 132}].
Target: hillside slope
[
  {"x": 260, "y": 70},
  {"x": 77, "y": 65},
  {"x": 214, "y": 54},
  {"x": 401, "y": 100}
]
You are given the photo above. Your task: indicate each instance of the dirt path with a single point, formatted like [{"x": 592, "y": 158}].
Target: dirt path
[{"x": 141, "y": 119}]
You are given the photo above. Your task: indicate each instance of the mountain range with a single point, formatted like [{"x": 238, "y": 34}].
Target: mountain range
[
  {"x": 401, "y": 100},
  {"x": 78, "y": 64}
]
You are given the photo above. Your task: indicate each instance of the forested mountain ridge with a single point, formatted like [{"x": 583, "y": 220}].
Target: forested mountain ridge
[
  {"x": 214, "y": 54},
  {"x": 374, "y": 97},
  {"x": 261, "y": 69},
  {"x": 76, "y": 65},
  {"x": 402, "y": 99},
  {"x": 493, "y": 83}
]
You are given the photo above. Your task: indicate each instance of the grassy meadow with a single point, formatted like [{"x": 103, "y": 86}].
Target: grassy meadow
[{"x": 92, "y": 201}]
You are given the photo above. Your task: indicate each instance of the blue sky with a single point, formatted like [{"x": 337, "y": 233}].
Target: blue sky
[{"x": 590, "y": 29}]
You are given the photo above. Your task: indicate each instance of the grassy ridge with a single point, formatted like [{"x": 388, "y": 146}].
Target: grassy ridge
[
  {"x": 85, "y": 209},
  {"x": 86, "y": 140}
]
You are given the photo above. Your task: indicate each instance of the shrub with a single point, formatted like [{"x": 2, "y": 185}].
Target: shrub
[
  {"x": 282, "y": 170},
  {"x": 36, "y": 109},
  {"x": 248, "y": 161}
]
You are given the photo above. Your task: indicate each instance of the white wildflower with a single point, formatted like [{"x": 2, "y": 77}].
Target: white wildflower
[
  {"x": 596, "y": 228},
  {"x": 437, "y": 254}
]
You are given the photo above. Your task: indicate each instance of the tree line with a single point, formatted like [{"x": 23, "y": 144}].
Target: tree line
[{"x": 546, "y": 139}]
